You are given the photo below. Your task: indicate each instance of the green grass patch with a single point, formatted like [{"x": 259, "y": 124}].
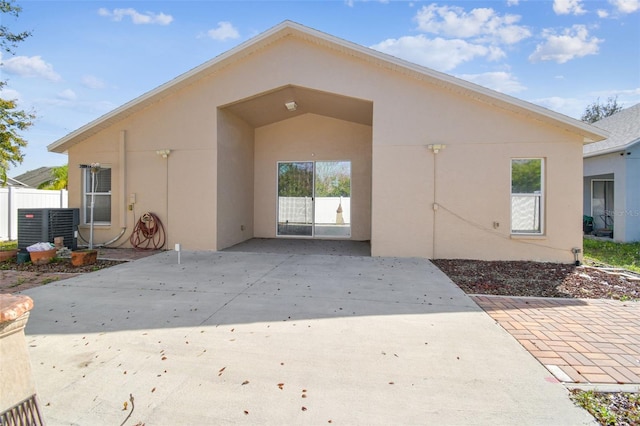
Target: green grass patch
[
  {"x": 619, "y": 255},
  {"x": 6, "y": 245},
  {"x": 609, "y": 408}
]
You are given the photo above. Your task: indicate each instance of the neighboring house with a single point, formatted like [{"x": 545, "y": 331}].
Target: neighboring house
[
  {"x": 35, "y": 178},
  {"x": 612, "y": 177},
  {"x": 15, "y": 183},
  {"x": 298, "y": 134}
]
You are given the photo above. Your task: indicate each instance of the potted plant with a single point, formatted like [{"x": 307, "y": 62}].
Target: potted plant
[
  {"x": 84, "y": 257},
  {"x": 7, "y": 253},
  {"x": 42, "y": 257}
]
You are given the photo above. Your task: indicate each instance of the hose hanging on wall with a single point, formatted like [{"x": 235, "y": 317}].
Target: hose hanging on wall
[{"x": 148, "y": 234}]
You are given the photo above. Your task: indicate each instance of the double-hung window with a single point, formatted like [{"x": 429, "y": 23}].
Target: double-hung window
[
  {"x": 97, "y": 187},
  {"x": 527, "y": 195}
]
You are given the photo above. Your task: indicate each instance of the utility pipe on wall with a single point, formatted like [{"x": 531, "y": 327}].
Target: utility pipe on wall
[
  {"x": 123, "y": 178},
  {"x": 435, "y": 148},
  {"x": 164, "y": 153}
]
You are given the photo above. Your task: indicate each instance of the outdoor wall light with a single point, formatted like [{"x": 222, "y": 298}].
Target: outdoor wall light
[
  {"x": 164, "y": 152},
  {"x": 291, "y": 106},
  {"x": 436, "y": 147}
]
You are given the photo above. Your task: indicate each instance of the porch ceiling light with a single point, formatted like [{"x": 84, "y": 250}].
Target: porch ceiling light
[{"x": 291, "y": 106}]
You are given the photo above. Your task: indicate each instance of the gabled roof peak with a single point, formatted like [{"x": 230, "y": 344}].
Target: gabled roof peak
[{"x": 287, "y": 28}]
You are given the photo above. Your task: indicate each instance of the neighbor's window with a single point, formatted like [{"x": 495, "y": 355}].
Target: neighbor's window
[
  {"x": 101, "y": 192},
  {"x": 527, "y": 195}
]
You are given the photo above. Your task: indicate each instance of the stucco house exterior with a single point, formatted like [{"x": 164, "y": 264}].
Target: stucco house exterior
[
  {"x": 299, "y": 134},
  {"x": 612, "y": 177}
]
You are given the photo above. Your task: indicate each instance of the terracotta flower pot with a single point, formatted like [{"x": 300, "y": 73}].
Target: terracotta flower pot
[
  {"x": 7, "y": 254},
  {"x": 84, "y": 257},
  {"x": 42, "y": 257}
]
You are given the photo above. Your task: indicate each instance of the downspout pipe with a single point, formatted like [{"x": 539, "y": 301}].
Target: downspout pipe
[{"x": 435, "y": 148}]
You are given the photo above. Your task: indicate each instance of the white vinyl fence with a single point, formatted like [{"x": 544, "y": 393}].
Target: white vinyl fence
[
  {"x": 12, "y": 199},
  {"x": 300, "y": 210}
]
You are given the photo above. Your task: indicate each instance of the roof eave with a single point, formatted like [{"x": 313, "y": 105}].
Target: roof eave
[
  {"x": 588, "y": 132},
  {"x": 62, "y": 144},
  {"x": 611, "y": 150}
]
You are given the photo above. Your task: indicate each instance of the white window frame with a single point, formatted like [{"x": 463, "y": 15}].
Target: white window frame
[
  {"x": 540, "y": 197},
  {"x": 86, "y": 182}
]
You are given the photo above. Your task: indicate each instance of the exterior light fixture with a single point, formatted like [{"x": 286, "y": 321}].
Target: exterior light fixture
[
  {"x": 436, "y": 147},
  {"x": 291, "y": 106},
  {"x": 164, "y": 153}
]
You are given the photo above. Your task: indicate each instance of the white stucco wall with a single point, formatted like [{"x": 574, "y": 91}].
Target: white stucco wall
[{"x": 396, "y": 179}]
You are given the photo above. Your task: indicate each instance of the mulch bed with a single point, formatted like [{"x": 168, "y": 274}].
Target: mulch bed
[
  {"x": 536, "y": 279},
  {"x": 15, "y": 277}
]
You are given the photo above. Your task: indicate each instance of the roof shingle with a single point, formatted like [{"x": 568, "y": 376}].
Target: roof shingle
[{"x": 624, "y": 130}]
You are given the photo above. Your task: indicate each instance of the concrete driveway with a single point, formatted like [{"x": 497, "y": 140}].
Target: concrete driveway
[{"x": 278, "y": 338}]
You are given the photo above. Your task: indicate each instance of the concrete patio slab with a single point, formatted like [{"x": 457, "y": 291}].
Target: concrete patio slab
[{"x": 279, "y": 338}]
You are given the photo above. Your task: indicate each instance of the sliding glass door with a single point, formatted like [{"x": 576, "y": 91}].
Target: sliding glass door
[
  {"x": 314, "y": 199},
  {"x": 295, "y": 198},
  {"x": 602, "y": 204}
]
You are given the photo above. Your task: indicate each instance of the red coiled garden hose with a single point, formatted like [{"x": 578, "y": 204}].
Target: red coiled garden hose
[{"x": 148, "y": 233}]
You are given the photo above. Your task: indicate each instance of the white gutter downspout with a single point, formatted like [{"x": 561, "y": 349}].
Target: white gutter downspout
[
  {"x": 435, "y": 148},
  {"x": 123, "y": 178}
]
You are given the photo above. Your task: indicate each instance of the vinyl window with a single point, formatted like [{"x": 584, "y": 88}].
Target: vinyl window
[
  {"x": 527, "y": 195},
  {"x": 101, "y": 192}
]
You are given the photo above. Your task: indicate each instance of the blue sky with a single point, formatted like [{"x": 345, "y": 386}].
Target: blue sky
[{"x": 86, "y": 58}]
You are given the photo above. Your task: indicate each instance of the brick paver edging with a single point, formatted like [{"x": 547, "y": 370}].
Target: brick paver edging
[{"x": 578, "y": 340}]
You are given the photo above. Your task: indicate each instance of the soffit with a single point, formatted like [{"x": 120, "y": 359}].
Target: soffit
[{"x": 269, "y": 107}]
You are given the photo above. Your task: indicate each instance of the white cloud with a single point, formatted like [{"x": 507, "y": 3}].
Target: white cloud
[
  {"x": 224, "y": 31},
  {"x": 573, "y": 43},
  {"x": 136, "y": 17},
  {"x": 67, "y": 95},
  {"x": 436, "y": 53},
  {"x": 575, "y": 107},
  {"x": 92, "y": 82},
  {"x": 568, "y": 106},
  {"x": 568, "y": 7},
  {"x": 481, "y": 23},
  {"x": 626, "y": 6},
  {"x": 602, "y": 13},
  {"x": 31, "y": 66},
  {"x": 500, "y": 81},
  {"x": 10, "y": 94},
  {"x": 513, "y": 2}
]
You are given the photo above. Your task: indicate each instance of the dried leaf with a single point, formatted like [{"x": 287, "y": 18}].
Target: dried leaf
[
  {"x": 246, "y": 412},
  {"x": 163, "y": 358},
  {"x": 281, "y": 385},
  {"x": 124, "y": 407},
  {"x": 246, "y": 382},
  {"x": 153, "y": 390},
  {"x": 304, "y": 408}
]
